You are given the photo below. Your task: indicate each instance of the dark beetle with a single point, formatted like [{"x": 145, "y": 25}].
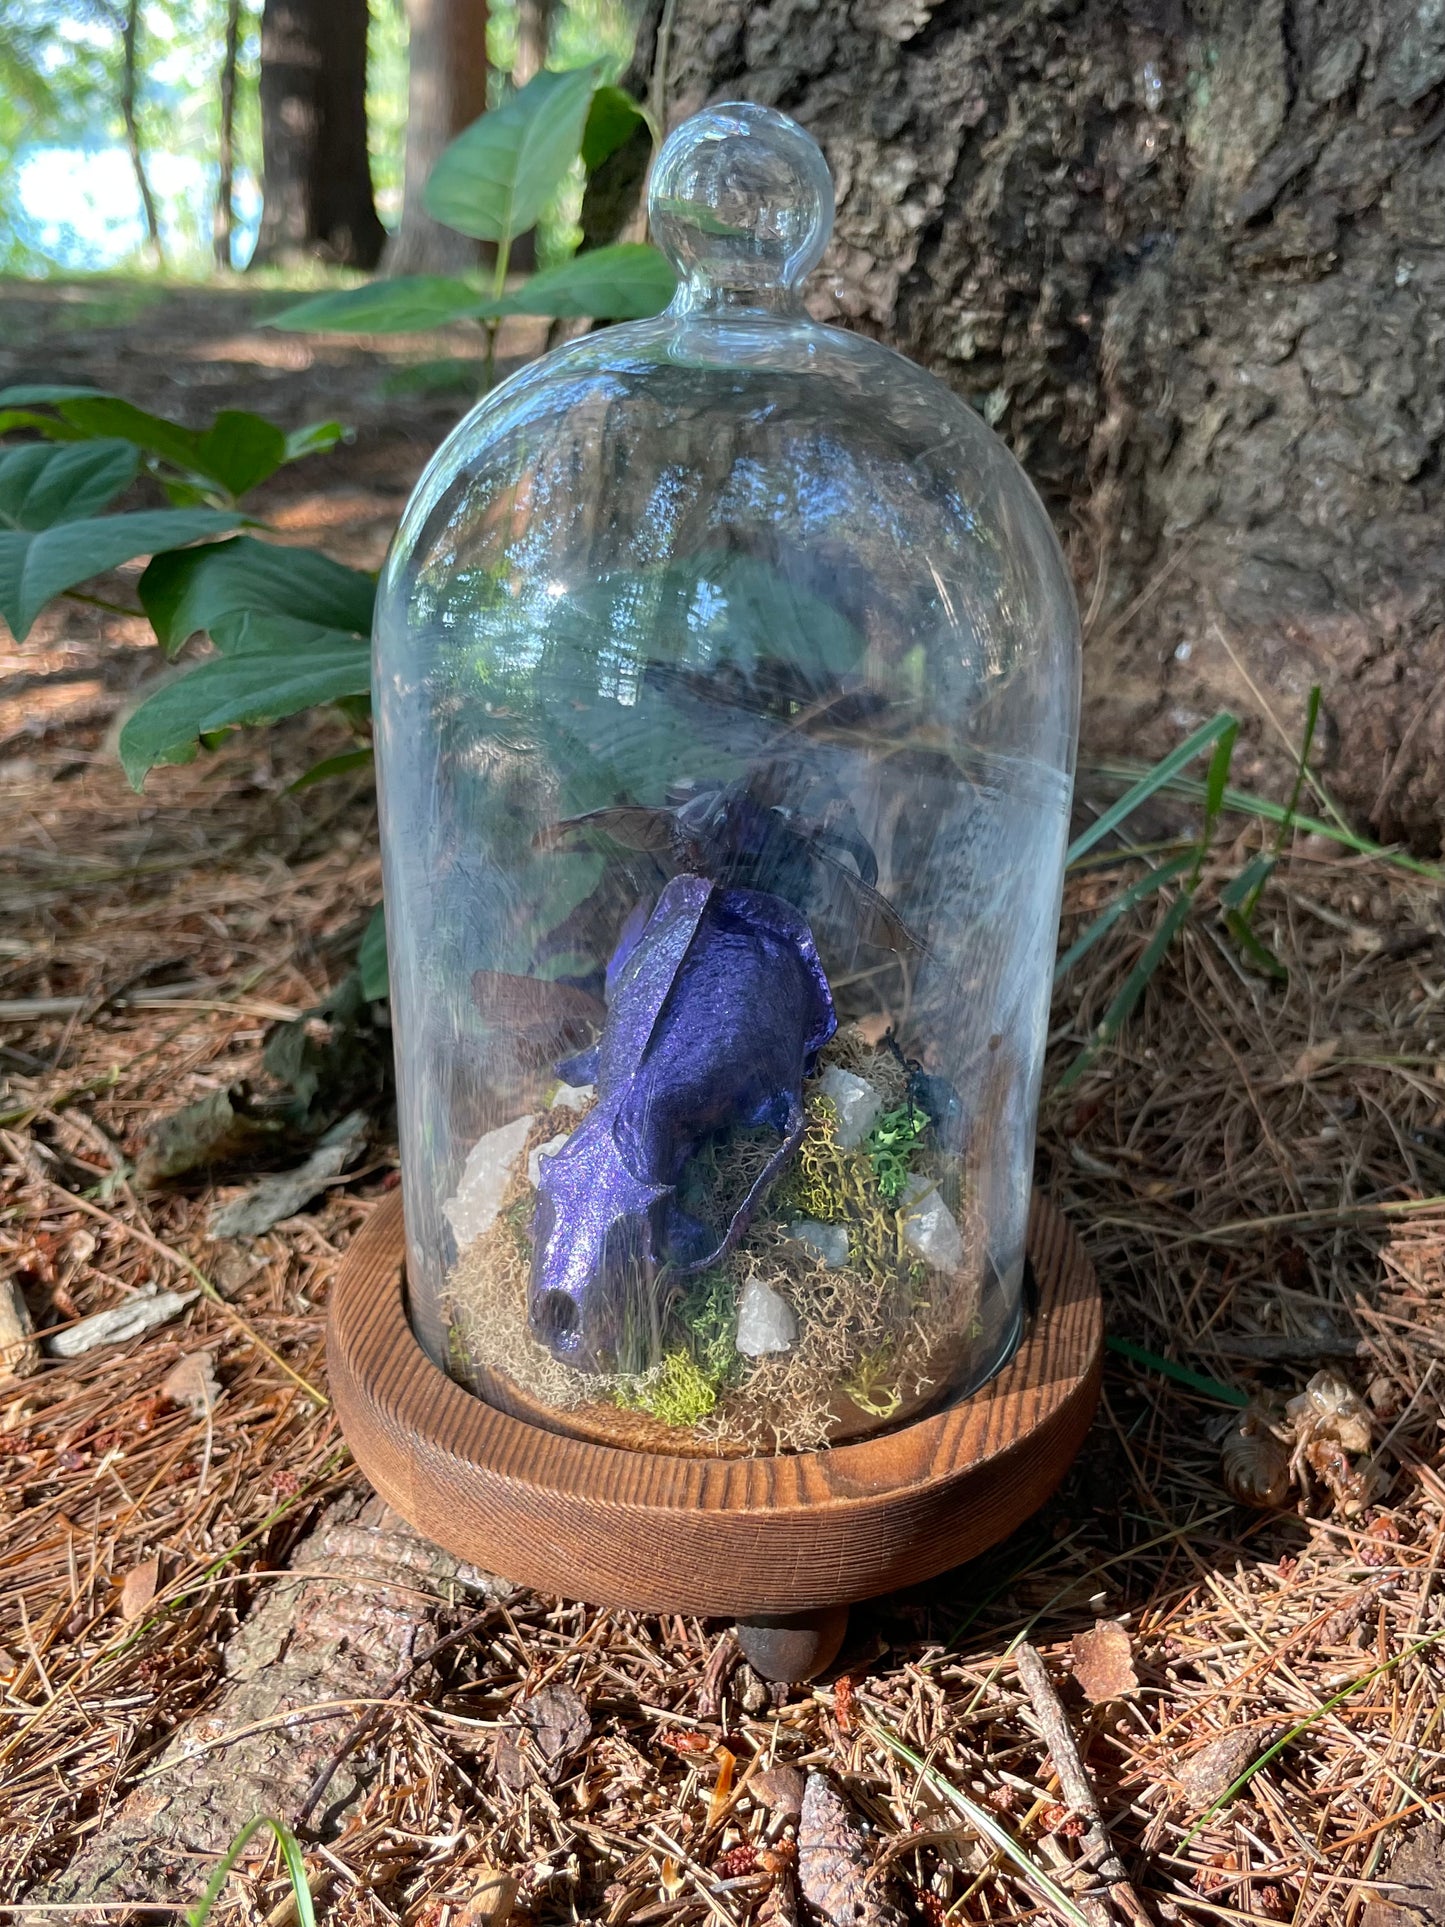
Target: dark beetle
[{"x": 717, "y": 1010}]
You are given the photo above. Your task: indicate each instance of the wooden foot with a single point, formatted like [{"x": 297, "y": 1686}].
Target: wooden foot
[
  {"x": 725, "y": 1538},
  {"x": 792, "y": 1647}
]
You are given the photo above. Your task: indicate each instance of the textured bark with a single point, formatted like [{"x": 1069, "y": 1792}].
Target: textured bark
[
  {"x": 337, "y": 1641},
  {"x": 316, "y": 193},
  {"x": 534, "y": 32},
  {"x": 446, "y": 91},
  {"x": 1189, "y": 259},
  {"x": 132, "y": 131},
  {"x": 223, "y": 218}
]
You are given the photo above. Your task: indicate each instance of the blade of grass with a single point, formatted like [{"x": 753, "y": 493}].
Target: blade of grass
[
  {"x": 1328, "y": 1706},
  {"x": 1149, "y": 781},
  {"x": 1215, "y": 784},
  {"x": 984, "y": 1823},
  {"x": 295, "y": 1867},
  {"x": 1142, "y": 887},
  {"x": 1226, "y": 1394},
  {"x": 1119, "y": 1012}
]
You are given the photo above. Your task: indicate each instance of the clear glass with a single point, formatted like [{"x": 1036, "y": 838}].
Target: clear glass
[{"x": 726, "y": 697}]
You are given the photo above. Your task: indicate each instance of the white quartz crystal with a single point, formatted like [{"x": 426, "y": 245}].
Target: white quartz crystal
[
  {"x": 858, "y": 1105},
  {"x": 766, "y": 1321},
  {"x": 486, "y": 1176},
  {"x": 540, "y": 1151},
  {"x": 573, "y": 1097},
  {"x": 929, "y": 1227},
  {"x": 829, "y": 1241}
]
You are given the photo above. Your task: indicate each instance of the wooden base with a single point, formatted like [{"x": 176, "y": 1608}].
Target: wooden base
[{"x": 743, "y": 1538}]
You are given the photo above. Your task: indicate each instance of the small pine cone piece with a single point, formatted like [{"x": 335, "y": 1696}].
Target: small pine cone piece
[
  {"x": 834, "y": 1864},
  {"x": 737, "y": 1861}
]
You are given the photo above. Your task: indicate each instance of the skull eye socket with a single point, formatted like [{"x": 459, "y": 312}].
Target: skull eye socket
[{"x": 555, "y": 1318}]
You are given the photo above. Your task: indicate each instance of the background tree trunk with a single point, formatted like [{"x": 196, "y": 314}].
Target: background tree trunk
[
  {"x": 129, "y": 29},
  {"x": 534, "y": 33},
  {"x": 446, "y": 91},
  {"x": 223, "y": 218},
  {"x": 316, "y": 196},
  {"x": 1190, "y": 260}
]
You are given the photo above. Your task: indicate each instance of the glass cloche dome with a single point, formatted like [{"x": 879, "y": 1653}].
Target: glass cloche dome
[{"x": 726, "y": 692}]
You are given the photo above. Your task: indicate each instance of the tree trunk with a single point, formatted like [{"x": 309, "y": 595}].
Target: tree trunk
[
  {"x": 446, "y": 91},
  {"x": 1190, "y": 259},
  {"x": 223, "y": 219},
  {"x": 534, "y": 32},
  {"x": 316, "y": 196},
  {"x": 132, "y": 130}
]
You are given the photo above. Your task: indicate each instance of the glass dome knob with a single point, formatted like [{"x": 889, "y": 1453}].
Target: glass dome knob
[{"x": 741, "y": 203}]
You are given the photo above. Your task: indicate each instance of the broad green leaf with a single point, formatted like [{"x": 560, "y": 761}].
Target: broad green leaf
[
  {"x": 213, "y": 587},
  {"x": 44, "y": 483},
  {"x": 412, "y": 301},
  {"x": 52, "y": 426},
  {"x": 611, "y": 120},
  {"x": 32, "y": 394},
  {"x": 342, "y": 765},
  {"x": 109, "y": 415},
  {"x": 33, "y": 568},
  {"x": 371, "y": 957},
  {"x": 314, "y": 439},
  {"x": 239, "y": 450},
  {"x": 624, "y": 282},
  {"x": 498, "y": 175},
  {"x": 257, "y": 685}
]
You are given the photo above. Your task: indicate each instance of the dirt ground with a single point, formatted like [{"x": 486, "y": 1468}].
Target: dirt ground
[{"x": 200, "y": 1619}]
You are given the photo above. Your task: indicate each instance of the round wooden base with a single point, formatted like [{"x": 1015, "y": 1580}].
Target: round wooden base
[{"x": 744, "y": 1538}]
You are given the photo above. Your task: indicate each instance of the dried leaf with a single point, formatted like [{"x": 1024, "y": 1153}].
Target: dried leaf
[
  {"x": 834, "y": 1864},
  {"x": 139, "y": 1588},
  {"x": 1314, "y": 1057},
  {"x": 192, "y": 1384},
  {"x": 561, "y": 1726},
  {"x": 1103, "y": 1662},
  {"x": 1416, "y": 1880},
  {"x": 1211, "y": 1771},
  {"x": 722, "y": 1789}
]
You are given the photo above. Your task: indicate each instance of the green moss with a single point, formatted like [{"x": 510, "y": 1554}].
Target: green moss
[
  {"x": 891, "y": 1144},
  {"x": 679, "y": 1393},
  {"x": 707, "y": 1313}
]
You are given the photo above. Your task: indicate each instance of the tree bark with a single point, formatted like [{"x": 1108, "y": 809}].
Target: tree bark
[
  {"x": 316, "y": 196},
  {"x": 132, "y": 130},
  {"x": 1189, "y": 257},
  {"x": 446, "y": 91},
  {"x": 534, "y": 32},
  {"x": 223, "y": 219}
]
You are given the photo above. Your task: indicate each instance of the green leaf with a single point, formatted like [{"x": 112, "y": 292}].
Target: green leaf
[
  {"x": 239, "y": 450},
  {"x": 1151, "y": 781},
  {"x": 33, "y": 394},
  {"x": 624, "y": 282},
  {"x": 212, "y": 587},
  {"x": 109, "y": 415},
  {"x": 33, "y": 568},
  {"x": 314, "y": 439},
  {"x": 412, "y": 301},
  {"x": 371, "y": 958},
  {"x": 1142, "y": 887},
  {"x": 498, "y": 175},
  {"x": 1122, "y": 1008},
  {"x": 12, "y": 419},
  {"x": 287, "y": 668},
  {"x": 45, "y": 483},
  {"x": 1211, "y": 1387},
  {"x": 611, "y": 120},
  {"x": 342, "y": 765},
  {"x": 1251, "y": 879}
]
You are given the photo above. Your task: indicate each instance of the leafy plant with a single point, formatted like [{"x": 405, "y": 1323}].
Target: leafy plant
[{"x": 492, "y": 183}]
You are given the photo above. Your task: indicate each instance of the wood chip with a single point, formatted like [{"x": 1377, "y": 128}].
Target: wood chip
[
  {"x": 19, "y": 1353},
  {"x": 559, "y": 1726},
  {"x": 780, "y": 1789},
  {"x": 1103, "y": 1662},
  {"x": 129, "y": 1319},
  {"x": 490, "y": 1902},
  {"x": 1414, "y": 1884},
  {"x": 835, "y": 1865}
]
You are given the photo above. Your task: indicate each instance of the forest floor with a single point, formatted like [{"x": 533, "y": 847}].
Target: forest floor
[{"x": 1256, "y": 1169}]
